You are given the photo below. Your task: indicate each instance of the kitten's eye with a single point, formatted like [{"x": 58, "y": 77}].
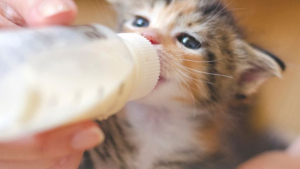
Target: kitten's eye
[
  {"x": 189, "y": 41},
  {"x": 140, "y": 22}
]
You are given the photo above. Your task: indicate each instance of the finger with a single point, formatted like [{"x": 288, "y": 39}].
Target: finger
[
  {"x": 45, "y": 12},
  {"x": 4, "y": 23},
  {"x": 9, "y": 18},
  {"x": 69, "y": 162},
  {"x": 27, "y": 164},
  {"x": 294, "y": 149},
  {"x": 57, "y": 143},
  {"x": 273, "y": 160}
]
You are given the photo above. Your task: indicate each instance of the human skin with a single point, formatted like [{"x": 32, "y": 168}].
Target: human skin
[
  {"x": 62, "y": 148},
  {"x": 289, "y": 159},
  {"x": 35, "y": 13}
]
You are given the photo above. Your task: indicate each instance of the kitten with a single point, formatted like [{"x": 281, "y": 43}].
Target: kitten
[{"x": 197, "y": 116}]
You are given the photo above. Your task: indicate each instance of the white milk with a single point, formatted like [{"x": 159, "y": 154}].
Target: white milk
[{"x": 60, "y": 75}]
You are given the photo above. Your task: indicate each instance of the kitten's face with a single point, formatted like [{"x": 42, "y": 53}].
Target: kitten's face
[{"x": 202, "y": 56}]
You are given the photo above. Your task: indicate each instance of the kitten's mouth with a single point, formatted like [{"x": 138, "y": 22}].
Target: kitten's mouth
[{"x": 161, "y": 80}]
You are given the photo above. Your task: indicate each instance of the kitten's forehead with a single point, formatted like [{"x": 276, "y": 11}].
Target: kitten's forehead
[
  {"x": 172, "y": 14},
  {"x": 182, "y": 13}
]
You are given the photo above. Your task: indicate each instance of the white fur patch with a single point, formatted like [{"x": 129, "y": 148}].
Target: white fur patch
[{"x": 160, "y": 131}]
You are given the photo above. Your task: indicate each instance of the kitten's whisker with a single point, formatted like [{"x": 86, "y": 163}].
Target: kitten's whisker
[
  {"x": 217, "y": 7},
  {"x": 175, "y": 75},
  {"x": 198, "y": 71},
  {"x": 212, "y": 17},
  {"x": 235, "y": 9},
  {"x": 193, "y": 79},
  {"x": 190, "y": 92},
  {"x": 197, "y": 61},
  {"x": 224, "y": 10}
]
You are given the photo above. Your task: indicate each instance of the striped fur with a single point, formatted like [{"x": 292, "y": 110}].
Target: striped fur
[{"x": 198, "y": 117}]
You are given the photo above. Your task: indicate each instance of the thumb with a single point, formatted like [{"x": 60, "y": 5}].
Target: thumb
[{"x": 45, "y": 12}]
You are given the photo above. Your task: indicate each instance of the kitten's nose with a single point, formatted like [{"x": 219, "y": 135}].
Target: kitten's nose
[{"x": 152, "y": 36}]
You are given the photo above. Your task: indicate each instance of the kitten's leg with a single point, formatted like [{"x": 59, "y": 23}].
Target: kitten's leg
[{"x": 116, "y": 152}]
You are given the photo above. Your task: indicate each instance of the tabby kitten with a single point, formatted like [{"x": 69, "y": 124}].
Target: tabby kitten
[{"x": 196, "y": 118}]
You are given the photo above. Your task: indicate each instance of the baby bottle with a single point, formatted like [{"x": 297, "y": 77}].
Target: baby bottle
[{"x": 55, "y": 76}]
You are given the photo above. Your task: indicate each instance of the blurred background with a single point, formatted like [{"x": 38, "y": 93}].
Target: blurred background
[{"x": 271, "y": 24}]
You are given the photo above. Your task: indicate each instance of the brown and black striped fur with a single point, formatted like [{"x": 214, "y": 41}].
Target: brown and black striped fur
[{"x": 198, "y": 117}]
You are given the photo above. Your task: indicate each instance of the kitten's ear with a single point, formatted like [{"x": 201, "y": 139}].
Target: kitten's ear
[{"x": 255, "y": 67}]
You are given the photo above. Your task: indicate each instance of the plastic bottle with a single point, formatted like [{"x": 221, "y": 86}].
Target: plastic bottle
[{"x": 59, "y": 75}]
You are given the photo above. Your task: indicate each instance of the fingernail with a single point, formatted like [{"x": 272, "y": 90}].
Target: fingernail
[
  {"x": 50, "y": 8},
  {"x": 87, "y": 139}
]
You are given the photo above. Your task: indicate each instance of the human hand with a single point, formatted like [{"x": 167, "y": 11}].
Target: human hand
[
  {"x": 58, "y": 149},
  {"x": 290, "y": 159},
  {"x": 61, "y": 148},
  {"x": 14, "y": 13}
]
